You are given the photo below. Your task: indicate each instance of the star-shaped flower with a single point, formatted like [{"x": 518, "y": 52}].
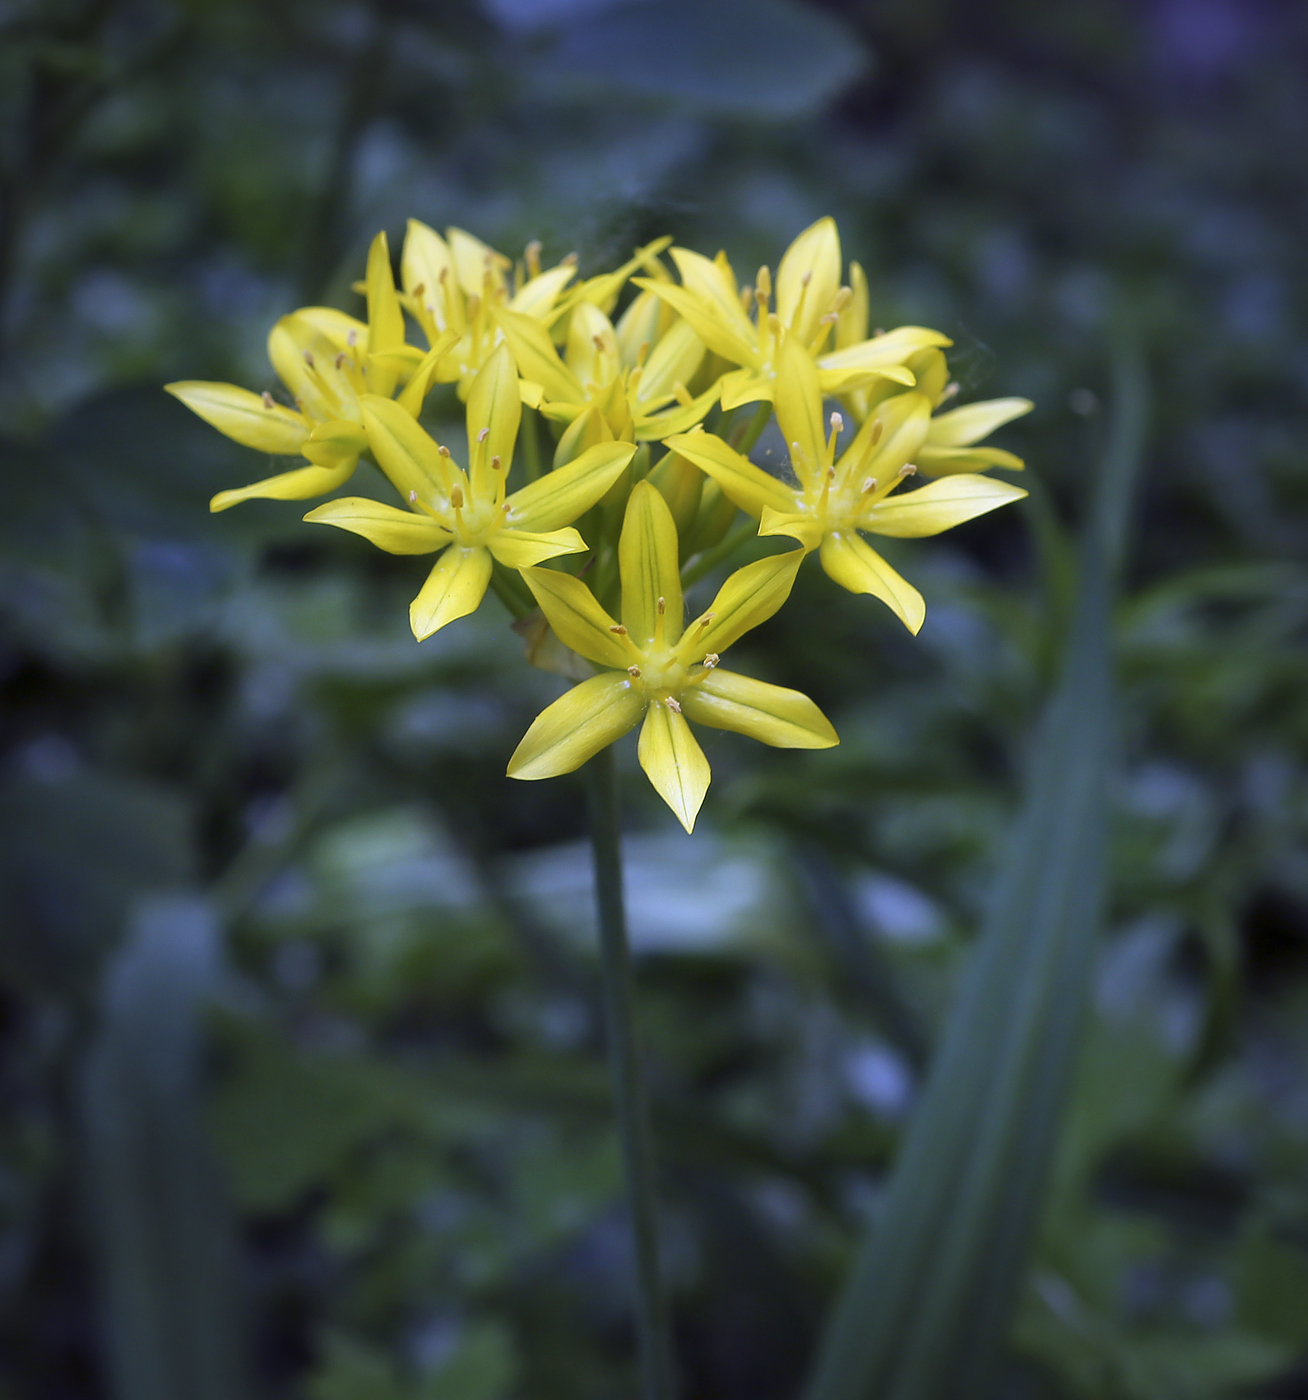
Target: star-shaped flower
[
  {"x": 656, "y": 672},
  {"x": 469, "y": 517},
  {"x": 327, "y": 360},
  {"x": 832, "y": 500},
  {"x": 809, "y": 302}
]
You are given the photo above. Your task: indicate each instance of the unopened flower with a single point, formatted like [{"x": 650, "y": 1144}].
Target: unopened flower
[
  {"x": 833, "y": 500},
  {"x": 326, "y": 360},
  {"x": 659, "y": 673},
  {"x": 747, "y": 328},
  {"x": 469, "y": 517}
]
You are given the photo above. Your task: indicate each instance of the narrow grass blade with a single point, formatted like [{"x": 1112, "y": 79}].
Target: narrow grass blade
[{"x": 923, "y": 1315}]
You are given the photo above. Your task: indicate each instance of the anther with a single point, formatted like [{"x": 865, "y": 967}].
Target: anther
[
  {"x": 444, "y": 451},
  {"x": 837, "y": 423},
  {"x": 418, "y": 290},
  {"x": 831, "y": 473},
  {"x": 483, "y": 435},
  {"x": 950, "y": 390},
  {"x": 445, "y": 275},
  {"x": 495, "y": 462},
  {"x": 880, "y": 330},
  {"x": 598, "y": 342},
  {"x": 710, "y": 661},
  {"x": 507, "y": 508},
  {"x": 869, "y": 485},
  {"x": 908, "y": 469},
  {"x": 842, "y": 299},
  {"x": 569, "y": 261},
  {"x": 634, "y": 671},
  {"x": 662, "y": 607},
  {"x": 413, "y": 498},
  {"x": 764, "y": 283},
  {"x": 352, "y": 339},
  {"x": 877, "y": 429},
  {"x": 308, "y": 359},
  {"x": 705, "y": 620},
  {"x": 674, "y": 704},
  {"x": 456, "y": 497},
  {"x": 533, "y": 257},
  {"x": 619, "y": 630},
  {"x": 340, "y": 359},
  {"x": 268, "y": 400}
]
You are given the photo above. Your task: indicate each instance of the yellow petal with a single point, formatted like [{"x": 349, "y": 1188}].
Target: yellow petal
[
  {"x": 656, "y": 427},
  {"x": 537, "y": 297},
  {"x": 385, "y": 319},
  {"x": 297, "y": 485},
  {"x": 785, "y": 719},
  {"x": 577, "y": 726},
  {"x": 561, "y": 496},
  {"x": 945, "y": 461},
  {"x": 904, "y": 421},
  {"x": 673, "y": 360},
  {"x": 494, "y": 406},
  {"x": 419, "y": 385},
  {"x": 853, "y": 322},
  {"x": 712, "y": 281},
  {"x": 473, "y": 259},
  {"x": 674, "y": 762},
  {"x": 245, "y": 417},
  {"x": 336, "y": 444},
  {"x": 961, "y": 427},
  {"x": 537, "y": 359},
  {"x": 288, "y": 342},
  {"x": 334, "y": 326},
  {"x": 798, "y": 524},
  {"x": 424, "y": 259},
  {"x": 746, "y": 386},
  {"x": 586, "y": 430},
  {"x": 892, "y": 348},
  {"x": 648, "y": 567},
  {"x": 395, "y": 531},
  {"x": 577, "y": 619},
  {"x": 681, "y": 485},
  {"x": 728, "y": 335},
  {"x": 750, "y": 487},
  {"x": 808, "y": 277},
  {"x": 644, "y": 322},
  {"x": 519, "y": 549},
  {"x": 856, "y": 566},
  {"x": 846, "y": 380},
  {"x": 403, "y": 450},
  {"x": 799, "y": 409},
  {"x": 939, "y": 505},
  {"x": 454, "y": 588},
  {"x": 749, "y": 597}
]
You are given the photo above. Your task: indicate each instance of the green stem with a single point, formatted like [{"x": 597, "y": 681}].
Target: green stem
[
  {"x": 529, "y": 436},
  {"x": 624, "y": 1065},
  {"x": 744, "y": 441},
  {"x": 709, "y": 560}
]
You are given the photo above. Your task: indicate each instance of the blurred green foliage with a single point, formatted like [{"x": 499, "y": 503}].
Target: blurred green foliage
[{"x": 402, "y": 1071}]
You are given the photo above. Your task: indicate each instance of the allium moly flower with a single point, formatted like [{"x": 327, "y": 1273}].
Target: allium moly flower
[
  {"x": 953, "y": 437},
  {"x": 456, "y": 284},
  {"x": 326, "y": 360},
  {"x": 659, "y": 673},
  {"x": 470, "y": 518},
  {"x": 809, "y": 302},
  {"x": 833, "y": 501},
  {"x": 632, "y": 384}
]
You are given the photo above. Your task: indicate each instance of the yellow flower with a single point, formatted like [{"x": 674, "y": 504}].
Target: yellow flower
[
  {"x": 631, "y": 374},
  {"x": 951, "y": 438},
  {"x": 658, "y": 672},
  {"x": 809, "y": 302},
  {"x": 455, "y": 284},
  {"x": 832, "y": 501},
  {"x": 468, "y": 517},
  {"x": 327, "y": 360}
]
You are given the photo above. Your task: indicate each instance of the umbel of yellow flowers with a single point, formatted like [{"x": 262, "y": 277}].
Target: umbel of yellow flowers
[
  {"x": 659, "y": 673},
  {"x": 634, "y": 465}
]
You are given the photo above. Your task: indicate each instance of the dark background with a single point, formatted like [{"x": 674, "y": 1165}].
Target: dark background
[{"x": 302, "y": 1089}]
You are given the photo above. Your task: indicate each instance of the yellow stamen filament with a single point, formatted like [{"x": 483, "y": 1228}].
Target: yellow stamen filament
[
  {"x": 660, "y": 609},
  {"x": 878, "y": 428},
  {"x": 682, "y": 394}
]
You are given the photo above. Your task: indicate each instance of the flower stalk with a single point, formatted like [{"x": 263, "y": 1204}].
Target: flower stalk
[{"x": 655, "y": 1350}]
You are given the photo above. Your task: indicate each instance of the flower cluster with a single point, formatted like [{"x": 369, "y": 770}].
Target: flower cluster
[{"x": 653, "y": 416}]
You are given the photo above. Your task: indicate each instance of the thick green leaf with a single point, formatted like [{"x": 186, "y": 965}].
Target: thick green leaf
[{"x": 926, "y": 1306}]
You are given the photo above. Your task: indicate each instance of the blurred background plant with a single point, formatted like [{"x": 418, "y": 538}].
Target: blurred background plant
[{"x": 301, "y": 1074}]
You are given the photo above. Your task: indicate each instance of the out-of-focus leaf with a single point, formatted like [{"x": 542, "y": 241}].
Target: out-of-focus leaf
[
  {"x": 76, "y": 849},
  {"x": 924, "y": 1311},
  {"x": 760, "y": 59},
  {"x": 165, "y": 1238}
]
